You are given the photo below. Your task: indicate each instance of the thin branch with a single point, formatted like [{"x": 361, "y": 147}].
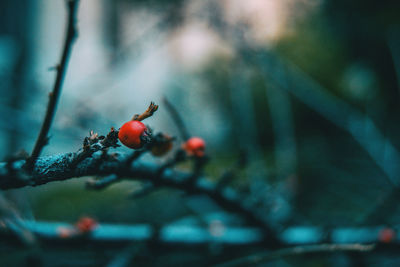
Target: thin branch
[
  {"x": 297, "y": 251},
  {"x": 177, "y": 119},
  {"x": 71, "y": 34}
]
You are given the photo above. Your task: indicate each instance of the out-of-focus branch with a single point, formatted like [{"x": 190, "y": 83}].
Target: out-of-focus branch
[
  {"x": 177, "y": 119},
  {"x": 10, "y": 222},
  {"x": 124, "y": 234},
  {"x": 283, "y": 129},
  {"x": 296, "y": 251},
  {"x": 61, "y": 68},
  {"x": 300, "y": 237}
]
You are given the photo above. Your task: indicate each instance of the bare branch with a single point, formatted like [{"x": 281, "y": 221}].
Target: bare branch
[{"x": 71, "y": 34}]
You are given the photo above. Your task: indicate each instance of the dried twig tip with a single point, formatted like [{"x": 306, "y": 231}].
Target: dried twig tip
[{"x": 148, "y": 113}]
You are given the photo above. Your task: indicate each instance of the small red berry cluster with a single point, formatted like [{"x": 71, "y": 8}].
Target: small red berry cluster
[
  {"x": 84, "y": 226},
  {"x": 195, "y": 146},
  {"x": 135, "y": 134}
]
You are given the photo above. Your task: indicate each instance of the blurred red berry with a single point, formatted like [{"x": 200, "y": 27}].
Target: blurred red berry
[
  {"x": 387, "y": 235},
  {"x": 86, "y": 224},
  {"x": 131, "y": 132},
  {"x": 64, "y": 232},
  {"x": 195, "y": 146}
]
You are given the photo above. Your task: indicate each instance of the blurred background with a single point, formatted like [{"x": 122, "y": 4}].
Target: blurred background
[{"x": 309, "y": 89}]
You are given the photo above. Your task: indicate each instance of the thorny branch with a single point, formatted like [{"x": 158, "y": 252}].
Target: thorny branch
[{"x": 61, "y": 68}]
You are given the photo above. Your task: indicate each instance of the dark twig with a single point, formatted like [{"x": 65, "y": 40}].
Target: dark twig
[
  {"x": 177, "y": 119},
  {"x": 71, "y": 34},
  {"x": 113, "y": 178},
  {"x": 296, "y": 251},
  {"x": 95, "y": 143},
  {"x": 198, "y": 167}
]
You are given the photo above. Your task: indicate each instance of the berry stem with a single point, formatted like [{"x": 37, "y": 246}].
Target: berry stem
[{"x": 148, "y": 113}]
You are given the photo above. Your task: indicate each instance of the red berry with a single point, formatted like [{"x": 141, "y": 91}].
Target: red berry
[
  {"x": 130, "y": 134},
  {"x": 86, "y": 224},
  {"x": 64, "y": 232},
  {"x": 195, "y": 146},
  {"x": 387, "y": 235}
]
